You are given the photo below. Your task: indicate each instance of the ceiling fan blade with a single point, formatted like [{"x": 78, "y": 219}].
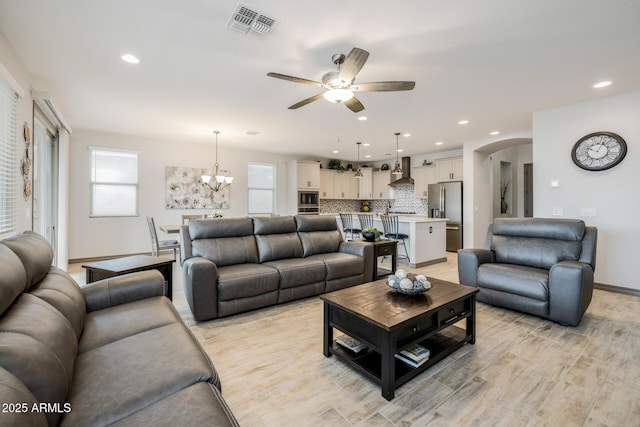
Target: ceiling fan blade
[
  {"x": 306, "y": 101},
  {"x": 294, "y": 79},
  {"x": 354, "y": 105},
  {"x": 353, "y": 64},
  {"x": 382, "y": 86}
]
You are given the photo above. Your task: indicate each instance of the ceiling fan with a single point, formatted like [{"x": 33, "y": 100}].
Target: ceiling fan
[{"x": 340, "y": 84}]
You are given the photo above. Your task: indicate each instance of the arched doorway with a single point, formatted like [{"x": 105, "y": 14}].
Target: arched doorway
[{"x": 482, "y": 185}]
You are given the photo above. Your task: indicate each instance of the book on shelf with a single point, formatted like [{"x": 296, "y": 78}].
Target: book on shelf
[
  {"x": 409, "y": 361},
  {"x": 351, "y": 343},
  {"x": 416, "y": 353}
]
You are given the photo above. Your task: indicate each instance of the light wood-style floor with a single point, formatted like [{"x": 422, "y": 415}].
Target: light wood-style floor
[{"x": 522, "y": 371}]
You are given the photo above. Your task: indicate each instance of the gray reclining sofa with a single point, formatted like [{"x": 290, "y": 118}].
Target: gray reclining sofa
[
  {"x": 538, "y": 266},
  {"x": 112, "y": 353},
  {"x": 231, "y": 265}
]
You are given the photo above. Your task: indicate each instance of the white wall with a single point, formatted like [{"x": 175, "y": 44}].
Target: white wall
[
  {"x": 97, "y": 237},
  {"x": 614, "y": 193}
]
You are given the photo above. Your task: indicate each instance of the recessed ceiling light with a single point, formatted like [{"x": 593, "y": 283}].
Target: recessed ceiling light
[
  {"x": 368, "y": 156},
  {"x": 365, "y": 144},
  {"x": 406, "y": 135},
  {"x": 130, "y": 59},
  {"x": 601, "y": 84},
  {"x": 439, "y": 143},
  {"x": 463, "y": 122},
  {"x": 362, "y": 118},
  {"x": 399, "y": 150},
  {"x": 335, "y": 151},
  {"x": 495, "y": 132}
]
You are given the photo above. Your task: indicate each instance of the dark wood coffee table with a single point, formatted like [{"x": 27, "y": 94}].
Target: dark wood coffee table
[
  {"x": 119, "y": 266},
  {"x": 388, "y": 322}
]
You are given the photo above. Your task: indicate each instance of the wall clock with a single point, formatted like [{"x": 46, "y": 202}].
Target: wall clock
[{"x": 599, "y": 151}]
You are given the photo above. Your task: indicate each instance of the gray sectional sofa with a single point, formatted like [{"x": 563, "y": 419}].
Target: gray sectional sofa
[
  {"x": 540, "y": 266},
  {"x": 231, "y": 265},
  {"x": 112, "y": 353}
]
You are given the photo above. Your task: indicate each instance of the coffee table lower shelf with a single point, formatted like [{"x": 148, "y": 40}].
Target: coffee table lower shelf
[{"x": 369, "y": 361}]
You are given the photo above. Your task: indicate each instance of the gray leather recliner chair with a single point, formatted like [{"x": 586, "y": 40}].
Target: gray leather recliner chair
[{"x": 538, "y": 266}]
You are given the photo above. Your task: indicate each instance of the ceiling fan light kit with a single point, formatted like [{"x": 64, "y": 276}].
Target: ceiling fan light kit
[{"x": 340, "y": 85}]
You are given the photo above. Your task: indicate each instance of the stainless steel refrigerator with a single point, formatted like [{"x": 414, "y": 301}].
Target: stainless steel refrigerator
[{"x": 445, "y": 201}]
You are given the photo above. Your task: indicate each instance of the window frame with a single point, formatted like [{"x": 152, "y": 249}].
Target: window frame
[
  {"x": 9, "y": 160},
  {"x": 93, "y": 183},
  {"x": 274, "y": 167}
]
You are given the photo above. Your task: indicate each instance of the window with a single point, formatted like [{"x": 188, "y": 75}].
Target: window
[
  {"x": 114, "y": 183},
  {"x": 8, "y": 163},
  {"x": 262, "y": 178}
]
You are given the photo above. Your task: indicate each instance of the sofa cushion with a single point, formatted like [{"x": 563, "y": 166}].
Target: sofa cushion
[
  {"x": 60, "y": 290},
  {"x": 246, "y": 280},
  {"x": 533, "y": 251},
  {"x": 13, "y": 391},
  {"x": 39, "y": 346},
  {"x": 114, "y": 323},
  {"x": 13, "y": 279},
  {"x": 315, "y": 223},
  {"x": 120, "y": 378},
  {"x": 225, "y": 241},
  {"x": 299, "y": 271},
  {"x": 278, "y": 246},
  {"x": 34, "y": 252},
  {"x": 547, "y": 228},
  {"x": 201, "y": 402},
  {"x": 320, "y": 242},
  {"x": 514, "y": 279},
  {"x": 340, "y": 265},
  {"x": 274, "y": 225}
]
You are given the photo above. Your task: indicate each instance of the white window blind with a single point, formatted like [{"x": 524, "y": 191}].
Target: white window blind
[
  {"x": 8, "y": 163},
  {"x": 261, "y": 188},
  {"x": 114, "y": 183}
]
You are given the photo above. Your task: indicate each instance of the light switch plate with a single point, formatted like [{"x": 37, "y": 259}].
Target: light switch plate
[
  {"x": 588, "y": 212},
  {"x": 557, "y": 212}
]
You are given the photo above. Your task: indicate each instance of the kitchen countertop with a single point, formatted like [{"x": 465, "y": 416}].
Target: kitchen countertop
[{"x": 401, "y": 218}]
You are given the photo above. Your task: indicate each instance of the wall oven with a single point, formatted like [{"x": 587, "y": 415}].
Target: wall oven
[{"x": 308, "y": 203}]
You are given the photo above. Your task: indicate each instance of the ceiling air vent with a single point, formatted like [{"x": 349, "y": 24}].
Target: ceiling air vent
[{"x": 250, "y": 21}]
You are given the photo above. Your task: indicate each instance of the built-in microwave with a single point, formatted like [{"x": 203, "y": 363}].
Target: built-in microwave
[{"x": 308, "y": 203}]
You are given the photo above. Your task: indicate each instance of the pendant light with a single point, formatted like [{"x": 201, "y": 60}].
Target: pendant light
[
  {"x": 359, "y": 171},
  {"x": 397, "y": 170},
  {"x": 222, "y": 176}
]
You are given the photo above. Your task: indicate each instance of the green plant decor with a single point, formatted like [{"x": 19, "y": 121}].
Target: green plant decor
[
  {"x": 374, "y": 231},
  {"x": 336, "y": 165}
]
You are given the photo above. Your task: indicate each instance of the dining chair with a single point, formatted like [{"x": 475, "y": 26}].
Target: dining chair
[
  {"x": 390, "y": 226},
  {"x": 187, "y": 218},
  {"x": 347, "y": 225},
  {"x": 161, "y": 245},
  {"x": 366, "y": 221}
]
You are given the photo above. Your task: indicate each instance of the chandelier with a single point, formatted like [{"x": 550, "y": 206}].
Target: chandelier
[{"x": 222, "y": 176}]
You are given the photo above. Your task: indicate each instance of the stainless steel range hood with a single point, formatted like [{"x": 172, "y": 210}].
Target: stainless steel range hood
[{"x": 406, "y": 173}]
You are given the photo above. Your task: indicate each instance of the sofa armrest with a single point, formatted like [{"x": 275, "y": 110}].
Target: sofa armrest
[
  {"x": 123, "y": 289},
  {"x": 468, "y": 262},
  {"x": 570, "y": 291},
  {"x": 363, "y": 249},
  {"x": 200, "y": 281}
]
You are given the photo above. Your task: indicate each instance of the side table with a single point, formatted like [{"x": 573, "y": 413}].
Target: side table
[
  {"x": 383, "y": 248},
  {"x": 119, "y": 266}
]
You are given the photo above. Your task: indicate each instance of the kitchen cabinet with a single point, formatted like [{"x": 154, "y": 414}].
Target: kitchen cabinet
[
  {"x": 308, "y": 175},
  {"x": 422, "y": 177},
  {"x": 355, "y": 187},
  {"x": 381, "y": 189},
  {"x": 366, "y": 184},
  {"x": 449, "y": 169},
  {"x": 342, "y": 188},
  {"x": 327, "y": 184}
]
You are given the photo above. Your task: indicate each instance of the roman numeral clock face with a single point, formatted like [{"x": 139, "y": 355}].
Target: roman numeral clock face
[{"x": 599, "y": 151}]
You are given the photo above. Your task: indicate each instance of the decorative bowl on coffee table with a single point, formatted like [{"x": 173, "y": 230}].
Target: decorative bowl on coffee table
[{"x": 408, "y": 283}]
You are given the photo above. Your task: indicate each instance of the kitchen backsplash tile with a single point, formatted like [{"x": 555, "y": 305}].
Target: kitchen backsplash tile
[{"x": 404, "y": 201}]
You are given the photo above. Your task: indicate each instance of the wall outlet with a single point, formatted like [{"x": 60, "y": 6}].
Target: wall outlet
[
  {"x": 588, "y": 212},
  {"x": 557, "y": 212}
]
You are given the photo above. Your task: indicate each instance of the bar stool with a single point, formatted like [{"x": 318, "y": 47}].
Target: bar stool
[
  {"x": 390, "y": 225},
  {"x": 366, "y": 221},
  {"x": 347, "y": 225}
]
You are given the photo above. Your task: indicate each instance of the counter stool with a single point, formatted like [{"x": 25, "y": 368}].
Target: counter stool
[
  {"x": 347, "y": 225},
  {"x": 390, "y": 225},
  {"x": 366, "y": 221}
]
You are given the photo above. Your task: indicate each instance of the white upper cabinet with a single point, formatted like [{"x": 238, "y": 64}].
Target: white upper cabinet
[
  {"x": 327, "y": 184},
  {"x": 381, "y": 189},
  {"x": 366, "y": 184},
  {"x": 423, "y": 176},
  {"x": 308, "y": 177},
  {"x": 449, "y": 169},
  {"x": 343, "y": 185}
]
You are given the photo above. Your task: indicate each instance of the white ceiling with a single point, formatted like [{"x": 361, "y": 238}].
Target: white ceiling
[{"x": 492, "y": 62}]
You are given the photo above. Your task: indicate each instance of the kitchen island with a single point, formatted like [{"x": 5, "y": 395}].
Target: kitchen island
[{"x": 427, "y": 237}]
